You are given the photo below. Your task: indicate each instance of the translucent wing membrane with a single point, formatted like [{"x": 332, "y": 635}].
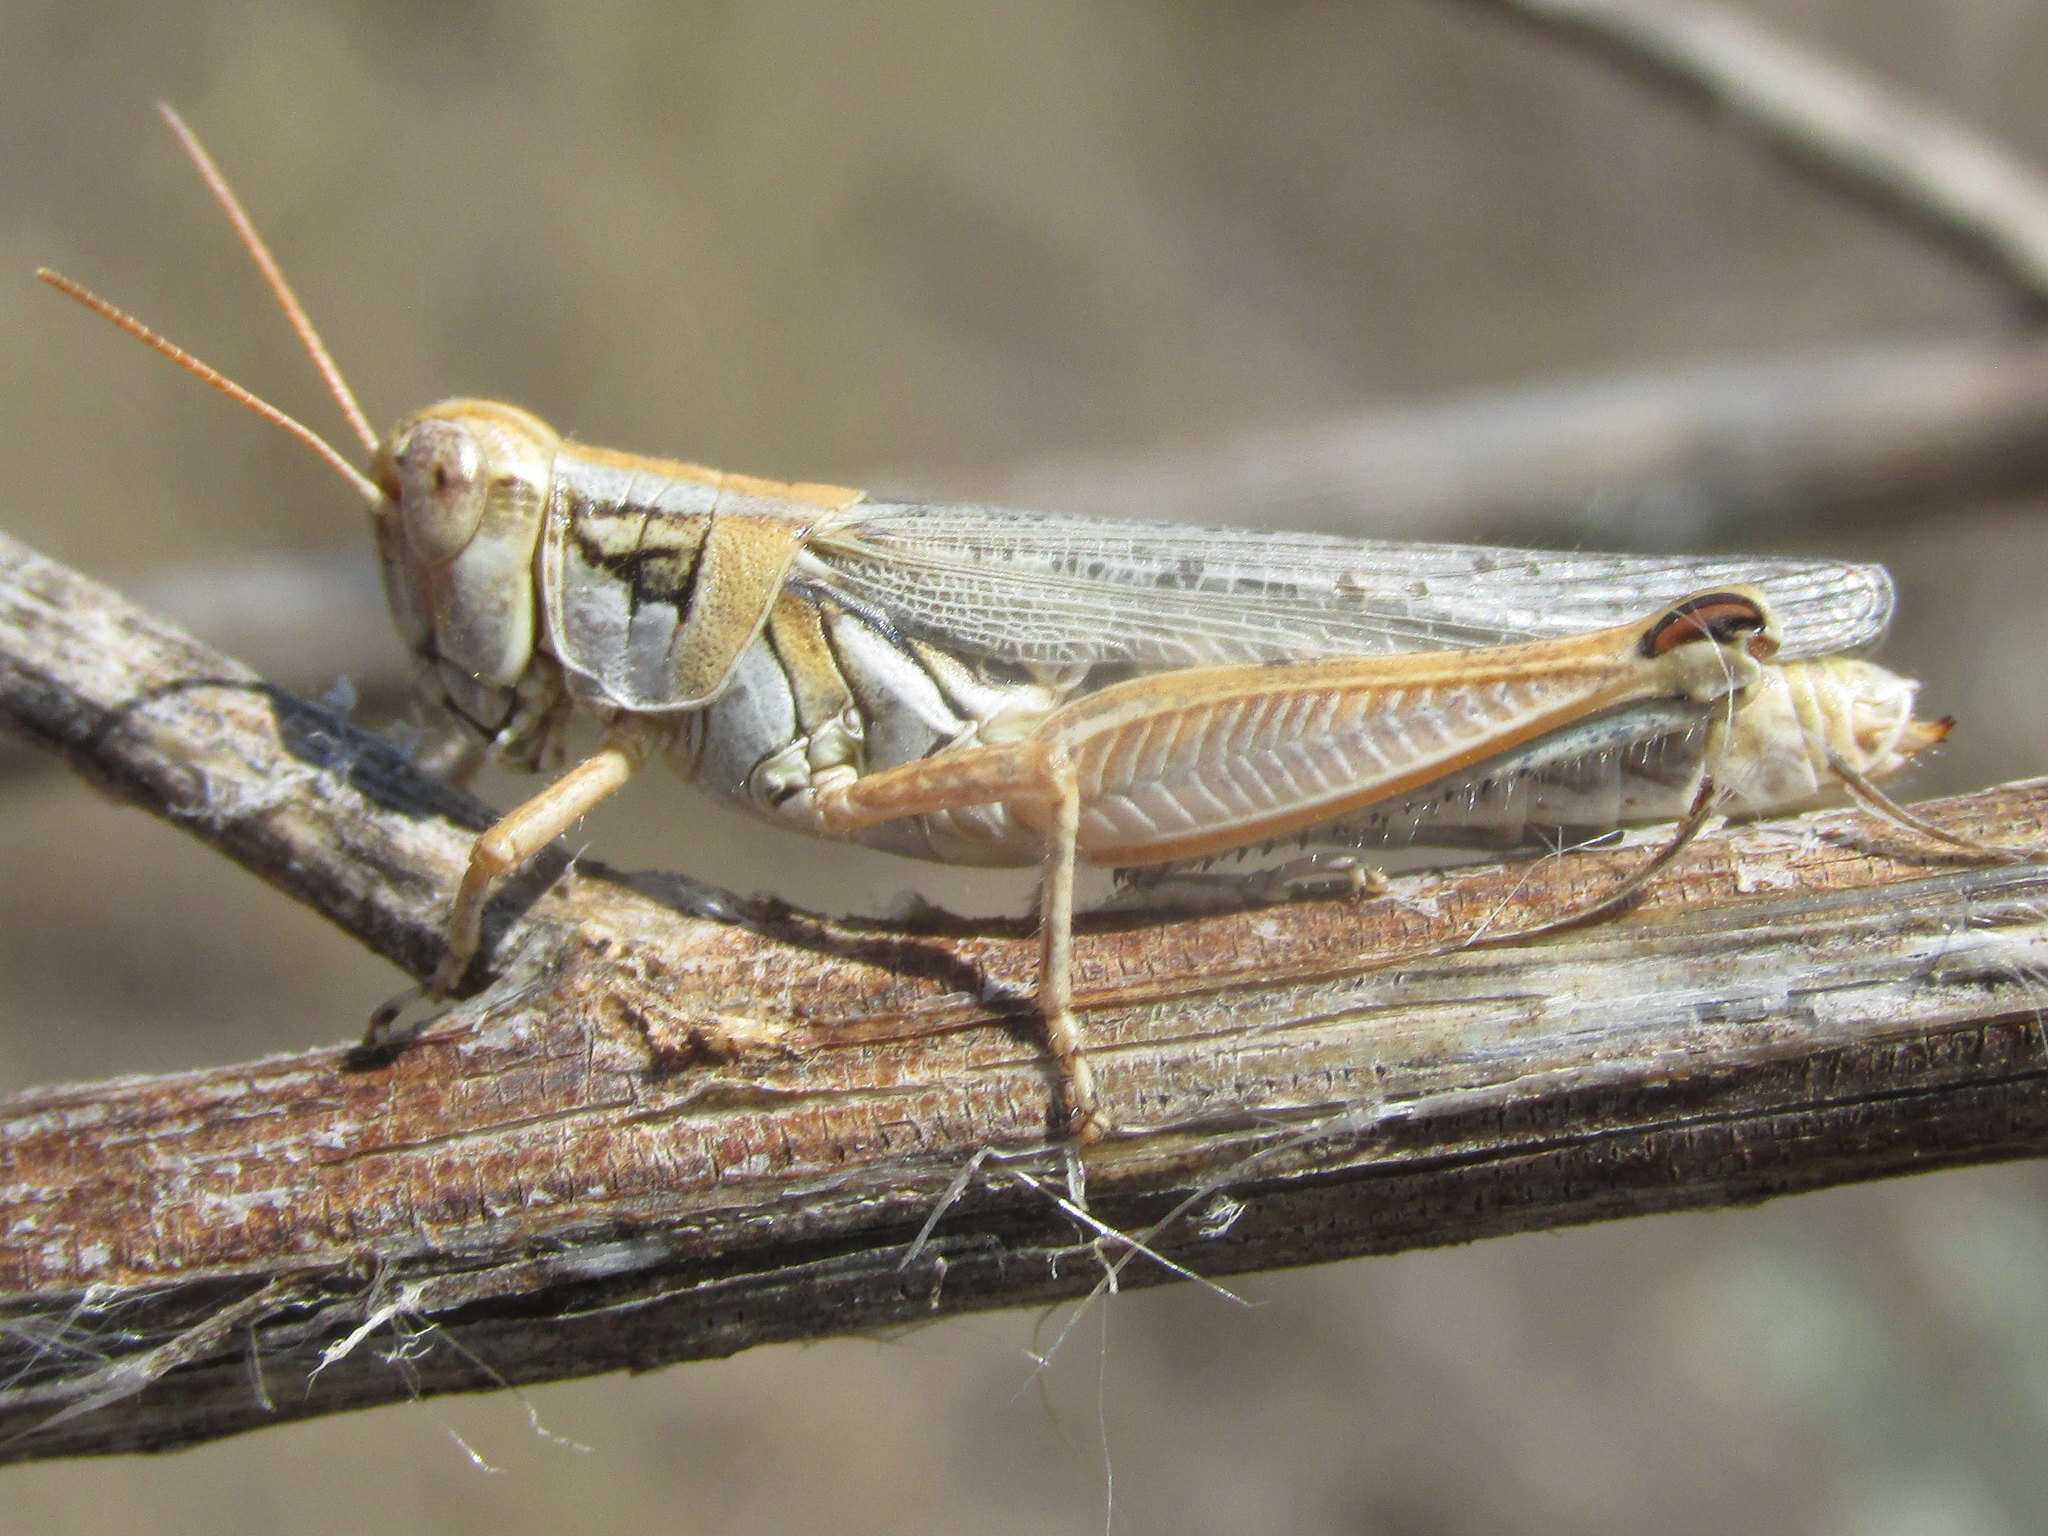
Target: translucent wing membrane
[{"x": 1058, "y": 588}]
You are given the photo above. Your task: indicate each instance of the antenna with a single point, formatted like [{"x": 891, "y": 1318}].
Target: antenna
[
  {"x": 207, "y": 373},
  {"x": 295, "y": 312},
  {"x": 273, "y": 277}
]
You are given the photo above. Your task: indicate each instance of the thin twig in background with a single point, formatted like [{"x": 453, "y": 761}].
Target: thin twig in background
[
  {"x": 1690, "y": 457},
  {"x": 1865, "y": 137}
]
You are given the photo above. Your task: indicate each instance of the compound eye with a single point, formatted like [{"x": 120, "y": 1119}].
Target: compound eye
[{"x": 441, "y": 486}]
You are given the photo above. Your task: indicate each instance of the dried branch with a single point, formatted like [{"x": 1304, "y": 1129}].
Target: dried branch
[
  {"x": 659, "y": 1137},
  {"x": 1864, "y": 137}
]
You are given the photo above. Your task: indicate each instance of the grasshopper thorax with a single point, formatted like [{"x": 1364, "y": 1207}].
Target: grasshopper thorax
[{"x": 464, "y": 488}]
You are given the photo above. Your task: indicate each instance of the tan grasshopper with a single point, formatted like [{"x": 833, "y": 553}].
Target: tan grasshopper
[{"x": 978, "y": 685}]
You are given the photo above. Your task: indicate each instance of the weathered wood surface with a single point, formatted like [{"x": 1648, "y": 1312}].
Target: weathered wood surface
[{"x": 657, "y": 1136}]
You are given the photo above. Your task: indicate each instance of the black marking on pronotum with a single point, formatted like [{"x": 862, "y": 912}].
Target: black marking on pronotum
[{"x": 630, "y": 567}]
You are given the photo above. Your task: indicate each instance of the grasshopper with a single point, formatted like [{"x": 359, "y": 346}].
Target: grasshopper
[{"x": 974, "y": 684}]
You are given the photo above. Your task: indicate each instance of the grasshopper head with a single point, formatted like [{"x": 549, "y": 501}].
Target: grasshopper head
[
  {"x": 465, "y": 488},
  {"x": 457, "y": 493}
]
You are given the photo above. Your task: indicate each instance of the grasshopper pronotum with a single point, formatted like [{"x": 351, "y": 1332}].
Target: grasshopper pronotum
[{"x": 970, "y": 684}]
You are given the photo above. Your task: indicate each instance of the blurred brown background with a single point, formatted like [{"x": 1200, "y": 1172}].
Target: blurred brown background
[{"x": 925, "y": 245}]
